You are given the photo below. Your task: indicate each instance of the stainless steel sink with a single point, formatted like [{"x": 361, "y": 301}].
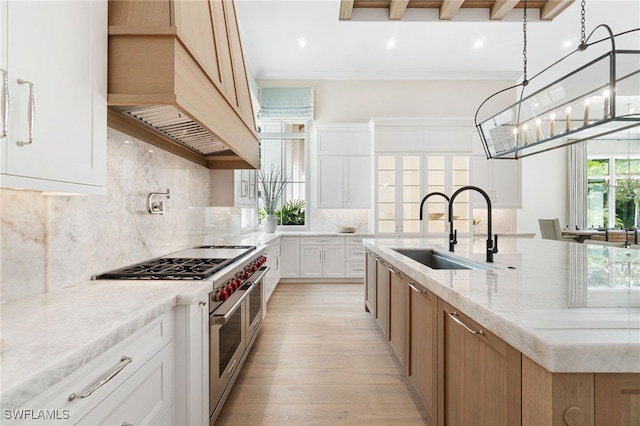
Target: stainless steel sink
[{"x": 438, "y": 260}]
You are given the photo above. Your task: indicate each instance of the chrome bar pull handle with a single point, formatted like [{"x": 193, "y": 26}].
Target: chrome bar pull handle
[
  {"x": 124, "y": 361},
  {"x": 31, "y": 112},
  {"x": 454, "y": 316},
  {"x": 416, "y": 289},
  {"x": 5, "y": 103}
]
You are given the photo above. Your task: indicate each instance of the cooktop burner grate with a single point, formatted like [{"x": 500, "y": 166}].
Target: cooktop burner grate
[{"x": 169, "y": 269}]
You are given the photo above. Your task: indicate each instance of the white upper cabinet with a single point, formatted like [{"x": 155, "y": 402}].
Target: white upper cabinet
[
  {"x": 344, "y": 166},
  {"x": 501, "y": 180},
  {"x": 55, "y": 57},
  {"x": 234, "y": 188},
  {"x": 344, "y": 182}
]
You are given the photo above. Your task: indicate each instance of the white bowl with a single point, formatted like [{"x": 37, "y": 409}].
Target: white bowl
[{"x": 346, "y": 229}]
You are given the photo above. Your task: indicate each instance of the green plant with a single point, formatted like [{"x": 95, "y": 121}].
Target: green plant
[
  {"x": 291, "y": 213},
  {"x": 272, "y": 186}
]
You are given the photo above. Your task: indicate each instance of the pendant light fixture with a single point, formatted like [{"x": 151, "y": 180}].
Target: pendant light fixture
[{"x": 583, "y": 104}]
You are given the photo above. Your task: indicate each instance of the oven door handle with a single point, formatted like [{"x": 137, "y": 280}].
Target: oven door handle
[
  {"x": 223, "y": 313},
  {"x": 258, "y": 275}
]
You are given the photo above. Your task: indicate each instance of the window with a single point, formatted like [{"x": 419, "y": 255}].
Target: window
[
  {"x": 283, "y": 146},
  {"x": 613, "y": 190}
]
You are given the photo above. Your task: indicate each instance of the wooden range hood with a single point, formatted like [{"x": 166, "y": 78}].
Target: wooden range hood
[{"x": 177, "y": 79}]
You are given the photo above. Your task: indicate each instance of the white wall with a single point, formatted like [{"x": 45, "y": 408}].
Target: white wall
[
  {"x": 357, "y": 101},
  {"x": 544, "y": 190},
  {"x": 544, "y": 179}
]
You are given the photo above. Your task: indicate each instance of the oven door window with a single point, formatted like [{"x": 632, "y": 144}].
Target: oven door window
[
  {"x": 255, "y": 301},
  {"x": 230, "y": 338}
]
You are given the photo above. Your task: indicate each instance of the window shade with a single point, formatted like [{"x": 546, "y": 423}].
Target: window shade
[{"x": 286, "y": 102}]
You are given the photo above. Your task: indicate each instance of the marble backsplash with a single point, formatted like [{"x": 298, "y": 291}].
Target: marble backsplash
[
  {"x": 50, "y": 242},
  {"x": 327, "y": 220}
]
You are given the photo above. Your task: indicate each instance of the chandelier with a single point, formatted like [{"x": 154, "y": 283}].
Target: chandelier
[{"x": 583, "y": 104}]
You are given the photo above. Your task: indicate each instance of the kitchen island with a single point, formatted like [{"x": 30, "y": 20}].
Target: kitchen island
[{"x": 549, "y": 334}]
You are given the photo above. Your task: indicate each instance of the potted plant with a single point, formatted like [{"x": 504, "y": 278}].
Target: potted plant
[{"x": 272, "y": 186}]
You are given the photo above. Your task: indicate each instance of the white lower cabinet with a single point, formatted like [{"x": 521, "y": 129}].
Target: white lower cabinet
[
  {"x": 145, "y": 398},
  {"x": 273, "y": 262},
  {"x": 131, "y": 382},
  {"x": 354, "y": 260},
  {"x": 322, "y": 257},
  {"x": 191, "y": 342},
  {"x": 290, "y": 257}
]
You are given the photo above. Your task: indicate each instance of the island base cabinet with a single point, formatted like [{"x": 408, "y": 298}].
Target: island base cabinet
[
  {"x": 479, "y": 374},
  {"x": 383, "y": 277},
  {"x": 422, "y": 368},
  {"x": 617, "y": 399},
  {"x": 398, "y": 296},
  {"x": 585, "y": 399},
  {"x": 370, "y": 284}
]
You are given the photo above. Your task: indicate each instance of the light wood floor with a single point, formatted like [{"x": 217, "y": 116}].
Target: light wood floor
[{"x": 320, "y": 360}]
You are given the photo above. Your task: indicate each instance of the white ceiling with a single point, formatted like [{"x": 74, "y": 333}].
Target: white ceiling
[{"x": 425, "y": 48}]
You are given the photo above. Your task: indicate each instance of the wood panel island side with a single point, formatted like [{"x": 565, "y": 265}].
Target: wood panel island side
[{"x": 548, "y": 334}]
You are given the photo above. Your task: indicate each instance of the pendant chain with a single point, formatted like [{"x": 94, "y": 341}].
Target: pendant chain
[
  {"x": 583, "y": 36},
  {"x": 524, "y": 46}
]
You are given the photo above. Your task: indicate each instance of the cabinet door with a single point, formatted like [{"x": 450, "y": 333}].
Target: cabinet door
[
  {"x": 333, "y": 261},
  {"x": 356, "y": 181},
  {"x": 398, "y": 316},
  {"x": 447, "y": 173},
  {"x": 311, "y": 261},
  {"x": 143, "y": 399},
  {"x": 370, "y": 284},
  {"x": 507, "y": 183},
  {"x": 501, "y": 179},
  {"x": 398, "y": 194},
  {"x": 482, "y": 179},
  {"x": 422, "y": 368},
  {"x": 67, "y": 70},
  {"x": 382, "y": 293},
  {"x": 4, "y": 77},
  {"x": 617, "y": 399},
  {"x": 330, "y": 193},
  {"x": 480, "y": 373},
  {"x": 290, "y": 251}
]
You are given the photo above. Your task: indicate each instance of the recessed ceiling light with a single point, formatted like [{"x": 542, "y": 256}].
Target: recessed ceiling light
[
  {"x": 391, "y": 42},
  {"x": 127, "y": 141},
  {"x": 480, "y": 42},
  {"x": 302, "y": 42},
  {"x": 567, "y": 44}
]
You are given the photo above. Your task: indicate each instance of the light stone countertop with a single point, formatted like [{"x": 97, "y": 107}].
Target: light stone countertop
[
  {"x": 45, "y": 338},
  {"x": 547, "y": 307},
  {"x": 49, "y": 336}
]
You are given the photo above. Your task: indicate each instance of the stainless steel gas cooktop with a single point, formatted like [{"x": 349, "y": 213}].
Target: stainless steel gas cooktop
[{"x": 193, "y": 264}]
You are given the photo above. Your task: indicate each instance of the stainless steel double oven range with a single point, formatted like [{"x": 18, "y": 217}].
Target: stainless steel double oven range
[{"x": 235, "y": 303}]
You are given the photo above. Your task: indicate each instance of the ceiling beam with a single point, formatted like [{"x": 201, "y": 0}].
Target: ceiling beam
[
  {"x": 449, "y": 8},
  {"x": 346, "y": 7},
  {"x": 397, "y": 8},
  {"x": 501, "y": 8},
  {"x": 551, "y": 8}
]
